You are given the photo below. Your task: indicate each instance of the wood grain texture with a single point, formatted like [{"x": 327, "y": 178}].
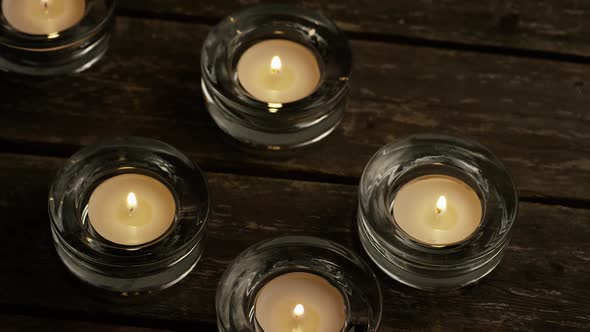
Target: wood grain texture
[
  {"x": 541, "y": 284},
  {"x": 555, "y": 26},
  {"x": 532, "y": 113},
  {"x": 22, "y": 323}
]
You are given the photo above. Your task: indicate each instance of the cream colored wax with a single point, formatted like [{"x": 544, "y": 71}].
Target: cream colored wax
[
  {"x": 300, "y": 302},
  {"x": 437, "y": 210},
  {"x": 278, "y": 71},
  {"x": 43, "y": 17},
  {"x": 131, "y": 209}
]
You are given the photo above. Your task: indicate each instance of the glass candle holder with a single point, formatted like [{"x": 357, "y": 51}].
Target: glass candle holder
[
  {"x": 276, "y": 76},
  {"x": 129, "y": 215},
  {"x": 50, "y": 37},
  {"x": 435, "y": 212},
  {"x": 299, "y": 272}
]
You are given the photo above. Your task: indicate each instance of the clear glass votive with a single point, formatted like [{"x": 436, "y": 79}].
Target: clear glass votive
[
  {"x": 129, "y": 215},
  {"x": 456, "y": 204},
  {"x": 328, "y": 267},
  {"x": 51, "y": 37},
  {"x": 276, "y": 76}
]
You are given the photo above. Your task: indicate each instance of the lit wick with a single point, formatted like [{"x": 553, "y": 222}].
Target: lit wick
[
  {"x": 131, "y": 203},
  {"x": 441, "y": 206},
  {"x": 275, "y": 64},
  {"x": 45, "y": 4},
  {"x": 298, "y": 312}
]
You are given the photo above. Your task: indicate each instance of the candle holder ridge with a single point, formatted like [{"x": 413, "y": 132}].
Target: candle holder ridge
[
  {"x": 62, "y": 52},
  {"x": 128, "y": 269},
  {"x": 275, "y": 126},
  {"x": 420, "y": 265},
  {"x": 253, "y": 268}
]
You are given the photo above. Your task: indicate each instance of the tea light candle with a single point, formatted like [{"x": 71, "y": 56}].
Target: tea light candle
[
  {"x": 300, "y": 302},
  {"x": 278, "y": 71},
  {"x": 131, "y": 209},
  {"x": 43, "y": 17},
  {"x": 437, "y": 210}
]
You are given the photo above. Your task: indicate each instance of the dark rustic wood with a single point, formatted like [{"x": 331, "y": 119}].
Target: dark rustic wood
[
  {"x": 509, "y": 74},
  {"x": 551, "y": 26},
  {"x": 22, "y": 323},
  {"x": 532, "y": 113},
  {"x": 541, "y": 284}
]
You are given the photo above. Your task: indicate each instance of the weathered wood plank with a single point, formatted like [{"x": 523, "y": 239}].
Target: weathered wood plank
[
  {"x": 22, "y": 323},
  {"x": 549, "y": 26},
  {"x": 531, "y": 113},
  {"x": 542, "y": 283}
]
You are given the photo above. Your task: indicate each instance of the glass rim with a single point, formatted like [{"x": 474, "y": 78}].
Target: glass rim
[
  {"x": 67, "y": 219},
  {"x": 234, "y": 281},
  {"x": 402, "y": 244},
  {"x": 223, "y": 86}
]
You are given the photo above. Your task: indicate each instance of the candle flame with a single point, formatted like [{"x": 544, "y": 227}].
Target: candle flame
[
  {"x": 275, "y": 64},
  {"x": 441, "y": 205},
  {"x": 131, "y": 202},
  {"x": 298, "y": 311}
]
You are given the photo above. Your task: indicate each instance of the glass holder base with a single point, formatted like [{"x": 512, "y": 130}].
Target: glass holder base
[
  {"x": 140, "y": 285},
  {"x": 73, "y": 61},
  {"x": 425, "y": 282},
  {"x": 268, "y": 140}
]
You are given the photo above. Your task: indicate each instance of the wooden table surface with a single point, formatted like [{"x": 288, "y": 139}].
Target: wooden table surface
[{"x": 513, "y": 75}]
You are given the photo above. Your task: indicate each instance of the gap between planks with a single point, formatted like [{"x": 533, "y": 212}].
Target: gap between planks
[
  {"x": 385, "y": 38},
  {"x": 115, "y": 320},
  {"x": 66, "y": 150},
  {"x": 138, "y": 322}
]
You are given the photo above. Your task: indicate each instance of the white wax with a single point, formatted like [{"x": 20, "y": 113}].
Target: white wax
[
  {"x": 131, "y": 209},
  {"x": 43, "y": 17},
  {"x": 295, "y": 75},
  {"x": 300, "y": 302},
  {"x": 417, "y": 210}
]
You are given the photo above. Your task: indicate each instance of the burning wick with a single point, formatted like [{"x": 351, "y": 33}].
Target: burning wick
[
  {"x": 275, "y": 64},
  {"x": 298, "y": 311},
  {"x": 131, "y": 203},
  {"x": 441, "y": 205}
]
